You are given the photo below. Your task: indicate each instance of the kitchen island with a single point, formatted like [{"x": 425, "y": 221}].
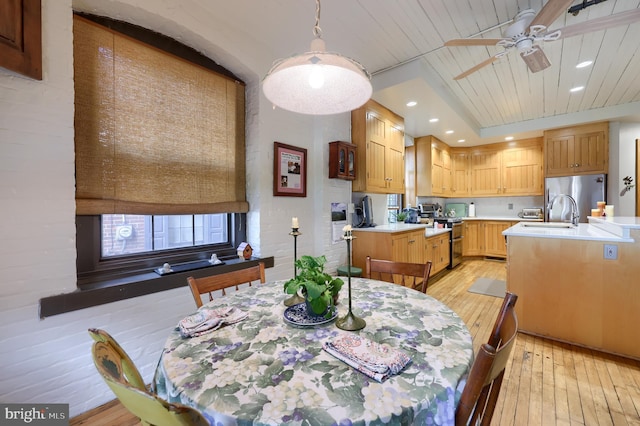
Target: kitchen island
[
  {"x": 578, "y": 284},
  {"x": 402, "y": 242}
]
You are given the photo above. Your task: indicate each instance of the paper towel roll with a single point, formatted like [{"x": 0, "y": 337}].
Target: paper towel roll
[{"x": 472, "y": 210}]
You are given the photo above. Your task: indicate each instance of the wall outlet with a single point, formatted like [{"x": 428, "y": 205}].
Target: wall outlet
[
  {"x": 510, "y": 206},
  {"x": 610, "y": 251}
]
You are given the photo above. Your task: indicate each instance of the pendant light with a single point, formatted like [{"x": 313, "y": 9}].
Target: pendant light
[{"x": 317, "y": 82}]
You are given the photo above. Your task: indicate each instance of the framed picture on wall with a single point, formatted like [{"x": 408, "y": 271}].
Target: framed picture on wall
[{"x": 289, "y": 170}]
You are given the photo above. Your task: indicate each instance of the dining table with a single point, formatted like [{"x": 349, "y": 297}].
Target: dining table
[{"x": 271, "y": 368}]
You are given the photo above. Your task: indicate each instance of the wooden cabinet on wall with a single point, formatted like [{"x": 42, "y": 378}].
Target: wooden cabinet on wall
[
  {"x": 507, "y": 169},
  {"x": 379, "y": 135},
  {"x": 484, "y": 238},
  {"x": 459, "y": 173},
  {"x": 21, "y": 35},
  {"x": 504, "y": 169},
  {"x": 577, "y": 150},
  {"x": 342, "y": 160}
]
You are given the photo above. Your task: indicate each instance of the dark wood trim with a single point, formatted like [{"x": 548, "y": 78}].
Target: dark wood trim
[
  {"x": 21, "y": 37},
  {"x": 141, "y": 285}
]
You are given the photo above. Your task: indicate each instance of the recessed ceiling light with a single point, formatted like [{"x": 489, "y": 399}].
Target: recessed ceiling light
[
  {"x": 434, "y": 120},
  {"x": 584, "y": 64},
  {"x": 508, "y": 138},
  {"x": 460, "y": 140},
  {"x": 449, "y": 132},
  {"x": 412, "y": 103},
  {"x": 576, "y": 89}
]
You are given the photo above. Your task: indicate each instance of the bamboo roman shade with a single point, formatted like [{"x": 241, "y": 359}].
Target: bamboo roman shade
[{"x": 154, "y": 133}]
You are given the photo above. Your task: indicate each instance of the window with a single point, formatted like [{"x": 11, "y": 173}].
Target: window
[
  {"x": 130, "y": 148},
  {"x": 394, "y": 205},
  {"x": 128, "y": 234}
]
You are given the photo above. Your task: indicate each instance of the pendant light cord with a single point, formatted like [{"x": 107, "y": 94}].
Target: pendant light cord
[{"x": 317, "y": 31}]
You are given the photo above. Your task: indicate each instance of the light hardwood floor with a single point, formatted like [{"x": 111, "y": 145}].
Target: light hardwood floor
[{"x": 546, "y": 382}]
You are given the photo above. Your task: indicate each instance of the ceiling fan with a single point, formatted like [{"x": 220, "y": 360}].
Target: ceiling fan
[{"x": 528, "y": 29}]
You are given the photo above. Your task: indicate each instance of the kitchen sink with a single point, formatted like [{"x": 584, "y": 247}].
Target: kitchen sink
[{"x": 554, "y": 225}]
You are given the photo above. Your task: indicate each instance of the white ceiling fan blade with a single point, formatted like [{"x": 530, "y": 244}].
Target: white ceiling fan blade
[
  {"x": 597, "y": 24},
  {"x": 473, "y": 42},
  {"x": 550, "y": 12},
  {"x": 480, "y": 65}
]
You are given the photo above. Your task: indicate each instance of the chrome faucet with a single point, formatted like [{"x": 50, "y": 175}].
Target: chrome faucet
[{"x": 575, "y": 217}]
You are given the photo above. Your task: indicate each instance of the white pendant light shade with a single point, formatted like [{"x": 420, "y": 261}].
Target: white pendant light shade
[{"x": 317, "y": 82}]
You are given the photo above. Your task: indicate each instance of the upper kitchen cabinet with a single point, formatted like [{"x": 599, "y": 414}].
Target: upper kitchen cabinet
[
  {"x": 460, "y": 173},
  {"x": 577, "y": 150},
  {"x": 379, "y": 135},
  {"x": 522, "y": 172},
  {"x": 21, "y": 36},
  {"x": 513, "y": 168},
  {"x": 431, "y": 162}
]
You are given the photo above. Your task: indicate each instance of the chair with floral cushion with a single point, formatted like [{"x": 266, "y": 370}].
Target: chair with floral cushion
[{"x": 124, "y": 379}]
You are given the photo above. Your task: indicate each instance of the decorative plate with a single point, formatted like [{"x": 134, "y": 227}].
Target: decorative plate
[{"x": 298, "y": 315}]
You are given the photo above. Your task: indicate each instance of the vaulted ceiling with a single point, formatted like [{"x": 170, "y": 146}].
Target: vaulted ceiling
[{"x": 401, "y": 43}]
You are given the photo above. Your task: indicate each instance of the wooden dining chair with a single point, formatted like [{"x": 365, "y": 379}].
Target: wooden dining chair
[
  {"x": 412, "y": 275},
  {"x": 200, "y": 286},
  {"x": 480, "y": 394},
  {"x": 123, "y": 378}
]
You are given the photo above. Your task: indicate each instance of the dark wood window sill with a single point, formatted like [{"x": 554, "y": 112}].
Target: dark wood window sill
[{"x": 133, "y": 286}]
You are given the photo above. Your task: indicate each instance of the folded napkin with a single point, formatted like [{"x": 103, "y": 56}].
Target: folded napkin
[
  {"x": 376, "y": 360},
  {"x": 207, "y": 320}
]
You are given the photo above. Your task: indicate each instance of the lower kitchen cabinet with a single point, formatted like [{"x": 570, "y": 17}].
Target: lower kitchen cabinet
[
  {"x": 473, "y": 241},
  {"x": 484, "y": 238},
  {"x": 436, "y": 250},
  {"x": 407, "y": 246}
]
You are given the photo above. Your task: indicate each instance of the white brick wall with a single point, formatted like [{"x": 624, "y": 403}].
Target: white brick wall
[{"x": 49, "y": 360}]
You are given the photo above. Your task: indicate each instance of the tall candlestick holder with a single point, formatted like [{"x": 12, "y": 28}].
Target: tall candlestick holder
[
  {"x": 350, "y": 322},
  {"x": 296, "y": 298}
]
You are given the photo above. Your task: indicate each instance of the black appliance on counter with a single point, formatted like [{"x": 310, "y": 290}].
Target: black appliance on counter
[{"x": 455, "y": 238}]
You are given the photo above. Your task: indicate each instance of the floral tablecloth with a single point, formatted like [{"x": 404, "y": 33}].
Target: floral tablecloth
[{"x": 264, "y": 371}]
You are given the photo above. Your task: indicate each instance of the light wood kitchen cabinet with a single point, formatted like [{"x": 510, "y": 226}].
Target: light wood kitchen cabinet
[
  {"x": 459, "y": 173},
  {"x": 494, "y": 242},
  {"x": 503, "y": 169},
  {"x": 485, "y": 172},
  {"x": 436, "y": 250},
  {"x": 484, "y": 238},
  {"x": 404, "y": 246},
  {"x": 522, "y": 172},
  {"x": 379, "y": 135},
  {"x": 473, "y": 241},
  {"x": 577, "y": 150},
  {"x": 507, "y": 169},
  {"x": 440, "y": 169}
]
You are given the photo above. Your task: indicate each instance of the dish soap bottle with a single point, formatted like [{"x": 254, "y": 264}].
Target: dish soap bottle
[{"x": 472, "y": 210}]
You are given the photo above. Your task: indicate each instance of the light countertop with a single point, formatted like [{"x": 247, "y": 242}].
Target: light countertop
[
  {"x": 583, "y": 231},
  {"x": 501, "y": 218},
  {"x": 402, "y": 227}
]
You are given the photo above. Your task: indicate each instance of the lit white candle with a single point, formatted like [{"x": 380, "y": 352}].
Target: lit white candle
[{"x": 294, "y": 222}]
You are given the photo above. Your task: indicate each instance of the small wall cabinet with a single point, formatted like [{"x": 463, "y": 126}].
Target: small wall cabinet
[{"x": 342, "y": 160}]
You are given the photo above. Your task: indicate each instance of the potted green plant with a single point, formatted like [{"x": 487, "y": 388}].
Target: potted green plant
[
  {"x": 401, "y": 216},
  {"x": 319, "y": 289}
]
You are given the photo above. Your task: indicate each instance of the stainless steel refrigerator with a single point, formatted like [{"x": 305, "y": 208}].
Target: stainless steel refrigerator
[{"x": 586, "y": 190}]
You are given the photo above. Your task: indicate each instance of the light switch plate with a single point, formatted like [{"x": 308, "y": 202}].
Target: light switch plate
[{"x": 610, "y": 251}]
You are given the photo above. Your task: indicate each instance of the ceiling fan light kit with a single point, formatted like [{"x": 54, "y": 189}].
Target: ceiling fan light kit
[
  {"x": 317, "y": 82},
  {"x": 528, "y": 29}
]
